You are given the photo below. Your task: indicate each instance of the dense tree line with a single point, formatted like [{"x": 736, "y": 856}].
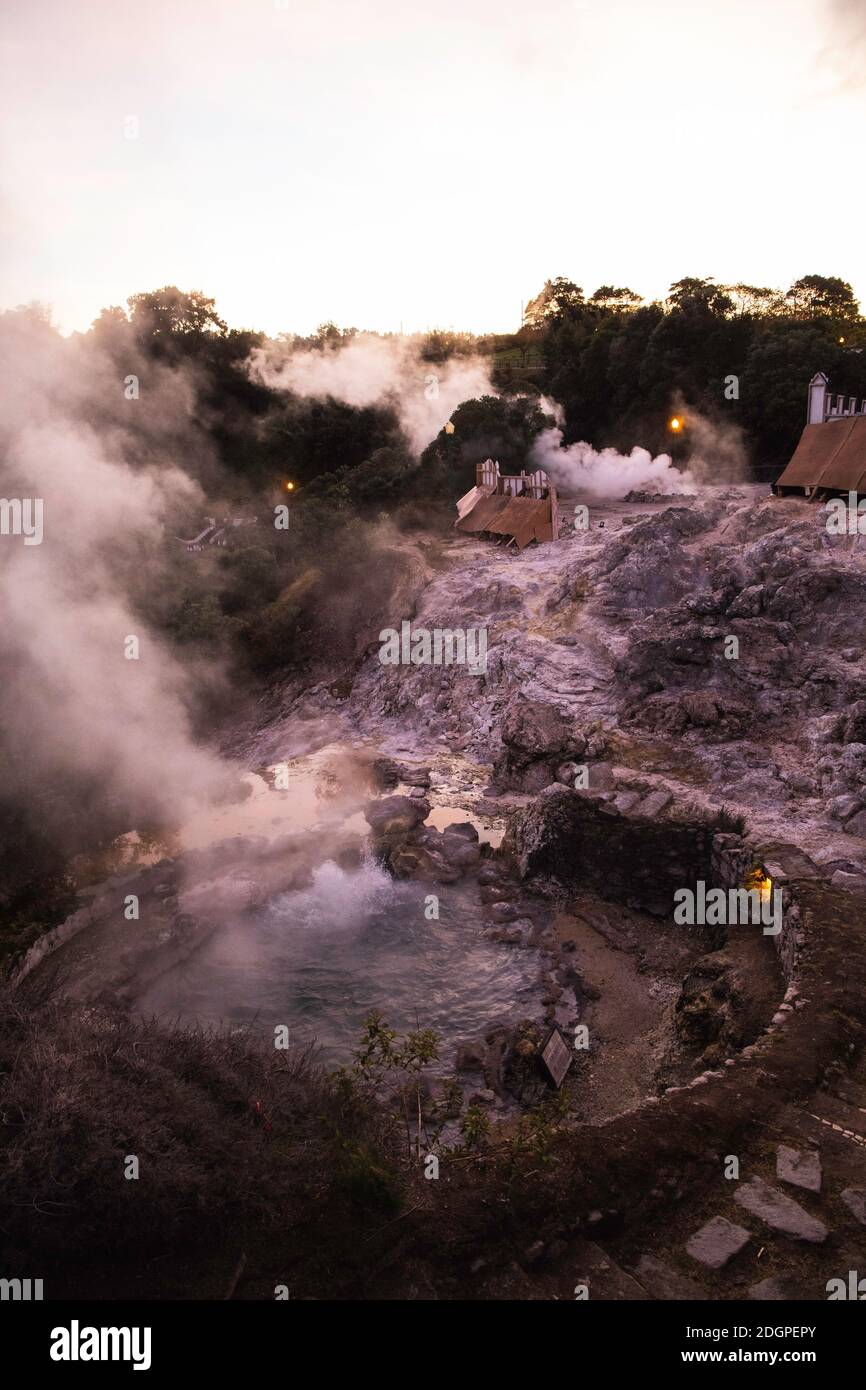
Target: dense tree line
[{"x": 742, "y": 354}]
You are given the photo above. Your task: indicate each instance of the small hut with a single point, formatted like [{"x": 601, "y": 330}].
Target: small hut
[
  {"x": 510, "y": 508},
  {"x": 831, "y": 454}
]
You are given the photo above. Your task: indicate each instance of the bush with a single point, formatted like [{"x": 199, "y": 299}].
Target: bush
[{"x": 229, "y": 1137}]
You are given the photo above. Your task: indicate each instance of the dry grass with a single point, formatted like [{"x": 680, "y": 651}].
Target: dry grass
[{"x": 231, "y": 1138}]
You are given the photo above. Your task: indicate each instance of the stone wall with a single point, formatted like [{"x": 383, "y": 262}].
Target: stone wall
[{"x": 582, "y": 838}]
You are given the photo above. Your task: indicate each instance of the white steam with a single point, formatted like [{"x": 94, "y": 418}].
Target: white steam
[
  {"x": 72, "y": 705},
  {"x": 606, "y": 473},
  {"x": 370, "y": 371}
]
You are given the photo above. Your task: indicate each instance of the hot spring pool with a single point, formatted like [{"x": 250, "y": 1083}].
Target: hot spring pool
[{"x": 320, "y": 959}]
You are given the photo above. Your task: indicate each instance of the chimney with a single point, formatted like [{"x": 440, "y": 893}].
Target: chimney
[{"x": 817, "y": 409}]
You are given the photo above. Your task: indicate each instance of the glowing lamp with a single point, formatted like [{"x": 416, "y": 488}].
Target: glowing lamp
[
  {"x": 759, "y": 880},
  {"x": 676, "y": 424}
]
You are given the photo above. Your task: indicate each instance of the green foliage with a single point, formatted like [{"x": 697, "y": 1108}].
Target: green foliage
[
  {"x": 381, "y": 1050},
  {"x": 250, "y": 578},
  {"x": 474, "y": 1127},
  {"x": 392, "y": 1068},
  {"x": 364, "y": 1180},
  {"x": 823, "y": 296},
  {"x": 272, "y": 636},
  {"x": 500, "y": 427},
  {"x": 558, "y": 299},
  {"x": 618, "y": 367},
  {"x": 171, "y": 312}
]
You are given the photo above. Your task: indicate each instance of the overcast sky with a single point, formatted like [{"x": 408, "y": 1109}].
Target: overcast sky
[{"x": 388, "y": 162}]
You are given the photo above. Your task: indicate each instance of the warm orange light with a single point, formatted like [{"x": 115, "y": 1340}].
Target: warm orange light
[
  {"x": 676, "y": 424},
  {"x": 290, "y": 487},
  {"x": 841, "y": 340},
  {"x": 759, "y": 880}
]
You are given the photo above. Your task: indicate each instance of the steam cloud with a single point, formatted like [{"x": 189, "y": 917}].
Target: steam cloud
[
  {"x": 606, "y": 473},
  {"x": 716, "y": 453},
  {"x": 378, "y": 371},
  {"x": 71, "y": 705},
  {"x": 845, "y": 54}
]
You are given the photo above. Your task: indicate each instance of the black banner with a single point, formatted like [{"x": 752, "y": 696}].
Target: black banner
[{"x": 158, "y": 1340}]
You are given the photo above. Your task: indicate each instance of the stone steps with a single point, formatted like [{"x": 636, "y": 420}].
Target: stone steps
[{"x": 802, "y": 1237}]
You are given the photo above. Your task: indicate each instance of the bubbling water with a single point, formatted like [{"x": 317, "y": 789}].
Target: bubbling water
[{"x": 320, "y": 959}]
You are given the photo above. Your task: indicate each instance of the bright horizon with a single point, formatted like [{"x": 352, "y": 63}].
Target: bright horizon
[{"x": 385, "y": 166}]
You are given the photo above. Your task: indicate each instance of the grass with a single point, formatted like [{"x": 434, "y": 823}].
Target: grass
[
  {"x": 730, "y": 821},
  {"x": 234, "y": 1143}
]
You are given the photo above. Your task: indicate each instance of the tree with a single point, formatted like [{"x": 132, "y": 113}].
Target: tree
[
  {"x": 559, "y": 298},
  {"x": 499, "y": 427},
  {"x": 779, "y": 365},
  {"x": 755, "y": 301},
  {"x": 823, "y": 296},
  {"x": 699, "y": 295},
  {"x": 612, "y": 299},
  {"x": 172, "y": 313}
]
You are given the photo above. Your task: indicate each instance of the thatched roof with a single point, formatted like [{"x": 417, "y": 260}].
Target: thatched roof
[{"x": 831, "y": 455}]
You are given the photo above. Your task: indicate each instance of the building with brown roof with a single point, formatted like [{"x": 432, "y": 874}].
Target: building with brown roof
[{"x": 831, "y": 454}]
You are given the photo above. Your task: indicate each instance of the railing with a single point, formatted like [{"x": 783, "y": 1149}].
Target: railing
[
  {"x": 534, "y": 485},
  {"x": 840, "y": 406}
]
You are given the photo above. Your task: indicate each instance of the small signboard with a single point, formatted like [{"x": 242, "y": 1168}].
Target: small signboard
[{"x": 556, "y": 1056}]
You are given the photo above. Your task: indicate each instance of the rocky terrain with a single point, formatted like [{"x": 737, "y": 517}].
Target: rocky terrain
[
  {"x": 609, "y": 648},
  {"x": 675, "y": 693}
]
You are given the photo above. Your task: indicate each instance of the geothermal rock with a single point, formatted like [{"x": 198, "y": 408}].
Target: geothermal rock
[
  {"x": 537, "y": 737},
  {"x": 749, "y": 603},
  {"x": 504, "y": 912},
  {"x": 800, "y": 1168},
  {"x": 780, "y": 1213},
  {"x": 394, "y": 816},
  {"x": 855, "y": 1200},
  {"x": 852, "y": 883},
  {"x": 654, "y": 804},
  {"x": 717, "y": 1242},
  {"x": 462, "y": 830}
]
